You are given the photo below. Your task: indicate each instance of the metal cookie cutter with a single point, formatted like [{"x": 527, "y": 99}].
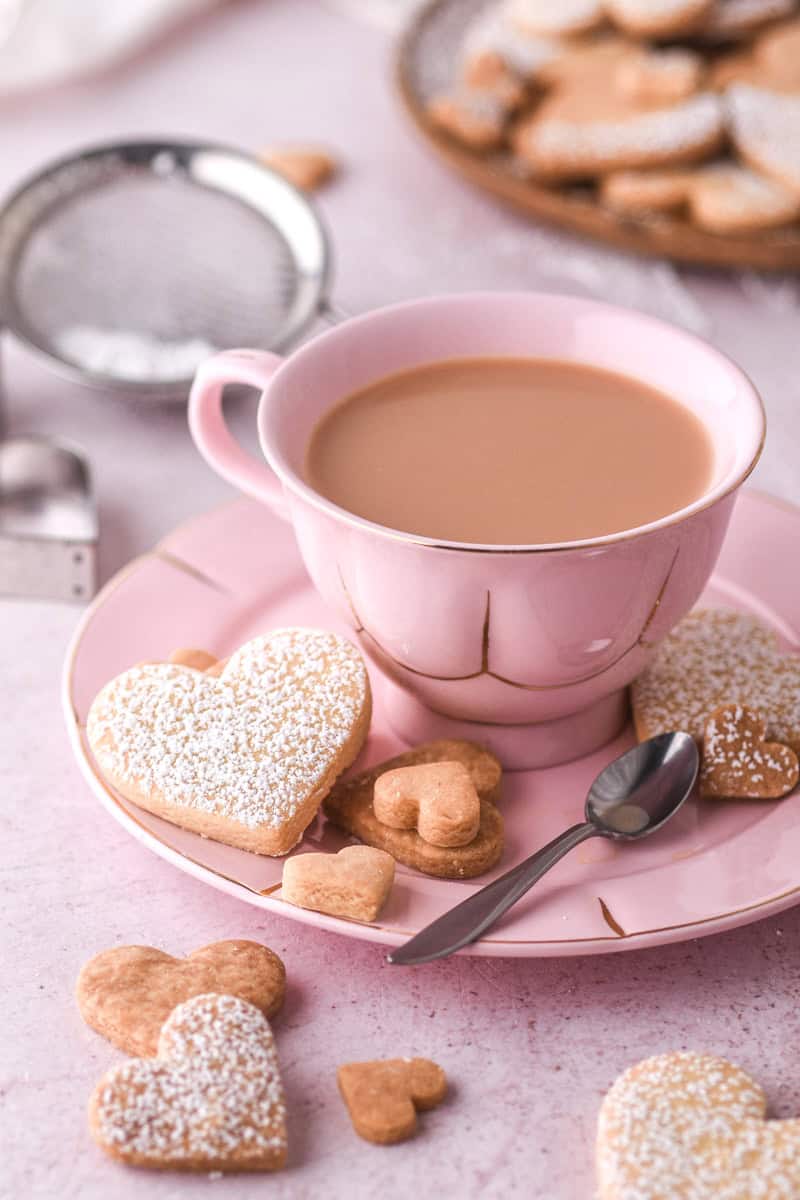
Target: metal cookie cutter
[{"x": 48, "y": 521}]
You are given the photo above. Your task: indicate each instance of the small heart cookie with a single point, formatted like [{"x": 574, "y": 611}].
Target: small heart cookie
[
  {"x": 211, "y": 1101},
  {"x": 692, "y": 1126},
  {"x": 439, "y": 800},
  {"x": 384, "y": 1097},
  {"x": 245, "y": 758},
  {"x": 712, "y": 658},
  {"x": 739, "y": 763},
  {"x": 355, "y": 883},
  {"x": 127, "y": 993},
  {"x": 350, "y": 806}
]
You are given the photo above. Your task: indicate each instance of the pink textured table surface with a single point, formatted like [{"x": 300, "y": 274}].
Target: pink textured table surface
[{"x": 530, "y": 1047}]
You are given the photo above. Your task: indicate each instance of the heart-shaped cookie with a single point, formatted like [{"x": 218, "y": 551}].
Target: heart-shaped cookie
[
  {"x": 350, "y": 806},
  {"x": 245, "y": 758},
  {"x": 739, "y": 763},
  {"x": 211, "y": 1101},
  {"x": 383, "y": 1097},
  {"x": 355, "y": 883},
  {"x": 439, "y": 800},
  {"x": 127, "y": 993},
  {"x": 713, "y": 658},
  {"x": 692, "y": 1126}
]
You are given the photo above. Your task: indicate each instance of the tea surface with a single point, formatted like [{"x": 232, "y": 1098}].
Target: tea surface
[{"x": 508, "y": 451}]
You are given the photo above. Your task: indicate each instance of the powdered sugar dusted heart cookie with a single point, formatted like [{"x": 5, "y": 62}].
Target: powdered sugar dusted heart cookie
[
  {"x": 714, "y": 658},
  {"x": 688, "y": 1126},
  {"x": 739, "y": 763},
  {"x": 245, "y": 758},
  {"x": 127, "y": 993},
  {"x": 211, "y": 1101}
]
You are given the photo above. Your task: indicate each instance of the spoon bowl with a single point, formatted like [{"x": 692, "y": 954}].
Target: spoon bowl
[{"x": 643, "y": 788}]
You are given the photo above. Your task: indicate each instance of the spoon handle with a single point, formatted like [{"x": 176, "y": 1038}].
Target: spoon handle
[{"x": 472, "y": 917}]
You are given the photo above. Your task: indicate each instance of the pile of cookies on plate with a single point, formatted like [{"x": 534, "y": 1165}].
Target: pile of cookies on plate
[
  {"x": 246, "y": 752},
  {"x": 204, "y": 1092},
  {"x": 687, "y": 107}
]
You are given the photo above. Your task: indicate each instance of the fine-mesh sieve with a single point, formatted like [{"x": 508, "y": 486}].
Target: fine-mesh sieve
[{"x": 127, "y": 264}]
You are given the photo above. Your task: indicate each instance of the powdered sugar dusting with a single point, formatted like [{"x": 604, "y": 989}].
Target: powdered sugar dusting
[
  {"x": 715, "y": 658},
  {"x": 738, "y": 762},
  {"x": 251, "y": 745},
  {"x": 691, "y": 1125},
  {"x": 593, "y": 144},
  {"x": 565, "y": 17},
  {"x": 765, "y": 127},
  {"x": 212, "y": 1098},
  {"x": 493, "y": 32}
]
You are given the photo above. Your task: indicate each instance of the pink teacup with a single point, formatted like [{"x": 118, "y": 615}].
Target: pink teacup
[{"x": 528, "y": 649}]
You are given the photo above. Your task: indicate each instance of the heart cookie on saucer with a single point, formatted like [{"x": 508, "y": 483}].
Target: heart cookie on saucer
[
  {"x": 245, "y": 758},
  {"x": 715, "y": 658},
  {"x": 212, "y": 1100},
  {"x": 738, "y": 761}
]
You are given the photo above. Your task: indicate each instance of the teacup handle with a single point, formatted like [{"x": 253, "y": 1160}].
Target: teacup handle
[{"x": 211, "y": 434}]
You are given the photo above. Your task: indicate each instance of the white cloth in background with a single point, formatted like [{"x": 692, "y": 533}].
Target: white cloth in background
[
  {"x": 390, "y": 14},
  {"x": 43, "y": 42}
]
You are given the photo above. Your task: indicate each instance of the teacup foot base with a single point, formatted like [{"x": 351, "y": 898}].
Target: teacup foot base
[{"x": 519, "y": 747}]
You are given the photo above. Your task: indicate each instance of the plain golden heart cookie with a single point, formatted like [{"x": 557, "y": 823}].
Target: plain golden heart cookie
[
  {"x": 245, "y": 758},
  {"x": 691, "y": 1126},
  {"x": 350, "y": 807},
  {"x": 211, "y": 1101},
  {"x": 383, "y": 1097},
  {"x": 439, "y": 800},
  {"x": 713, "y": 658},
  {"x": 127, "y": 993},
  {"x": 355, "y": 883},
  {"x": 739, "y": 763}
]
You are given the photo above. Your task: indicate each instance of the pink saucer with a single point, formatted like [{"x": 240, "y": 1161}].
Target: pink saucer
[{"x": 716, "y": 867}]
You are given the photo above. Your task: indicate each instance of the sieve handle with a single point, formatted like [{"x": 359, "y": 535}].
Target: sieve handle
[{"x": 213, "y": 438}]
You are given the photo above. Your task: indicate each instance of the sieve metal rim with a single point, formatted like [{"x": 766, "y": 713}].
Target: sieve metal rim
[{"x": 144, "y": 151}]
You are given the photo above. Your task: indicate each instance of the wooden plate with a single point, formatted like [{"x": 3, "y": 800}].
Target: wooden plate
[{"x": 426, "y": 64}]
